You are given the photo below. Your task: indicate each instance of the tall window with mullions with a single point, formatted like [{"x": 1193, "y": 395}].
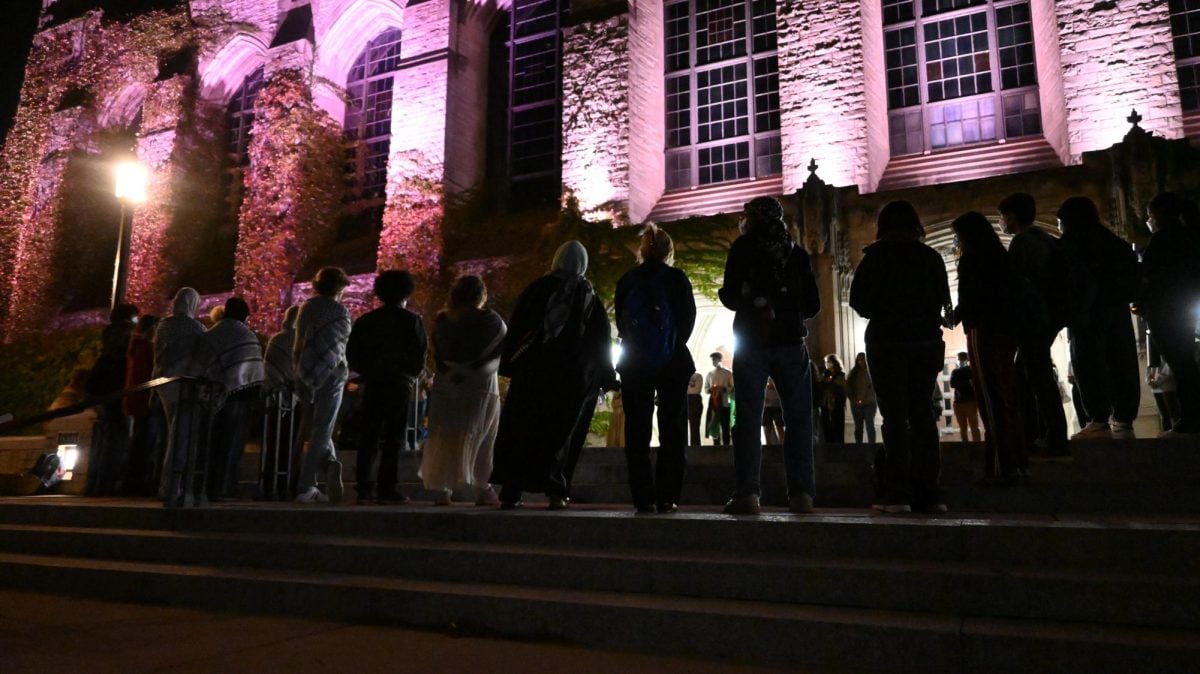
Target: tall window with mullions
[
  {"x": 535, "y": 92},
  {"x": 239, "y": 119},
  {"x": 1185, "y": 31},
  {"x": 722, "y": 89},
  {"x": 959, "y": 72},
  {"x": 368, "y": 122}
]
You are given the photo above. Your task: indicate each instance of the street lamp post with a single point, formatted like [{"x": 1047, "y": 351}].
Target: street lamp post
[{"x": 131, "y": 178}]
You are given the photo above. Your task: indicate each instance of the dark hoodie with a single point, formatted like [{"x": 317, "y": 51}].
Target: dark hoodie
[
  {"x": 788, "y": 287},
  {"x": 900, "y": 286},
  {"x": 1108, "y": 258}
]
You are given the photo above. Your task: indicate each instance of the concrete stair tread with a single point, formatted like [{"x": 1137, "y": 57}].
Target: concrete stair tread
[
  {"x": 1187, "y": 640},
  {"x": 778, "y": 562}
]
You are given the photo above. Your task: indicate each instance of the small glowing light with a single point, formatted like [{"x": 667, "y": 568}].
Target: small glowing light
[
  {"x": 616, "y": 353},
  {"x": 733, "y": 342},
  {"x": 68, "y": 456},
  {"x": 131, "y": 179}
]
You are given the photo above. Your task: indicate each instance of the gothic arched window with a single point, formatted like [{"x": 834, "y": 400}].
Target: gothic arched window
[
  {"x": 1185, "y": 28},
  {"x": 369, "y": 111},
  {"x": 959, "y": 72},
  {"x": 722, "y": 91},
  {"x": 240, "y": 117}
]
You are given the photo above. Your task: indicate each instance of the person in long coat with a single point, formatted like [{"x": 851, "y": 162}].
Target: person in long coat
[
  {"x": 465, "y": 409},
  {"x": 557, "y": 350}
]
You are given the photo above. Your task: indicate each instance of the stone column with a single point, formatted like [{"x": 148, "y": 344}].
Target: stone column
[
  {"x": 1116, "y": 57},
  {"x": 595, "y": 117},
  {"x": 37, "y": 234},
  {"x": 151, "y": 274}
]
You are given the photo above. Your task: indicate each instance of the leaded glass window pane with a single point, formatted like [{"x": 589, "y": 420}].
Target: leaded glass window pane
[
  {"x": 1185, "y": 30},
  {"x": 368, "y": 120},
  {"x": 722, "y": 91},
  {"x": 534, "y": 106},
  {"x": 240, "y": 117}
]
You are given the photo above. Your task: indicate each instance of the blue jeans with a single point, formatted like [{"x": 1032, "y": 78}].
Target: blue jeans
[
  {"x": 789, "y": 367},
  {"x": 326, "y": 402}
]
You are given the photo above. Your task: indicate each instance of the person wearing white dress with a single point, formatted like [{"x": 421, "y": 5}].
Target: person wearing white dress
[{"x": 464, "y": 406}]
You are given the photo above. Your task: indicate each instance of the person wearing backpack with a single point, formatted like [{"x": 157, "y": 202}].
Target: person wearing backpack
[
  {"x": 387, "y": 349},
  {"x": 655, "y": 311},
  {"x": 1103, "y": 344},
  {"x": 1037, "y": 256},
  {"x": 770, "y": 285}
]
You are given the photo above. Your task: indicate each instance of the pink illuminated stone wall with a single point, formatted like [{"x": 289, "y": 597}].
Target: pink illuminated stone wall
[
  {"x": 647, "y": 108},
  {"x": 1116, "y": 56},
  {"x": 822, "y": 91},
  {"x": 467, "y": 95},
  {"x": 596, "y": 90}
]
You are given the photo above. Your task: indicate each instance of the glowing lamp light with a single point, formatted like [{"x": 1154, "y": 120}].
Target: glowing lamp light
[
  {"x": 131, "y": 180},
  {"x": 617, "y": 351},
  {"x": 68, "y": 456}
]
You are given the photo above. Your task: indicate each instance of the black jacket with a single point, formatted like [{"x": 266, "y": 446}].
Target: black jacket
[
  {"x": 680, "y": 299},
  {"x": 1170, "y": 273},
  {"x": 387, "y": 346},
  {"x": 988, "y": 295},
  {"x": 900, "y": 286},
  {"x": 788, "y": 303},
  {"x": 1110, "y": 262}
]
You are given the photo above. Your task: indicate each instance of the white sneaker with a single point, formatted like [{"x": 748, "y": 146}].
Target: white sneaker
[
  {"x": 1122, "y": 431},
  {"x": 1094, "y": 431},
  {"x": 333, "y": 481},
  {"x": 313, "y": 495}
]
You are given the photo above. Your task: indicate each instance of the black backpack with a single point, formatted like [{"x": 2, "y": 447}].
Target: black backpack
[
  {"x": 649, "y": 331},
  {"x": 46, "y": 470}
]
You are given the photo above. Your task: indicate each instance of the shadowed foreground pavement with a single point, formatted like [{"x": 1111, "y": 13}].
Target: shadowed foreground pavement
[{"x": 43, "y": 633}]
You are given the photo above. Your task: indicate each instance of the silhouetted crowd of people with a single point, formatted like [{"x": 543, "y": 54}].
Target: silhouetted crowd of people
[{"x": 555, "y": 352}]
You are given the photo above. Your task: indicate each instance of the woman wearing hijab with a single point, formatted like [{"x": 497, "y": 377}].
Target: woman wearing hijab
[
  {"x": 558, "y": 353},
  {"x": 465, "y": 408},
  {"x": 175, "y": 342},
  {"x": 988, "y": 306}
]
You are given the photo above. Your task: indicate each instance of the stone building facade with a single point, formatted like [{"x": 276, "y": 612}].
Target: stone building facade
[{"x": 441, "y": 134}]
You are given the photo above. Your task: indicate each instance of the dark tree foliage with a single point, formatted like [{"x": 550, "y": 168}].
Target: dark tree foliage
[{"x": 120, "y": 10}]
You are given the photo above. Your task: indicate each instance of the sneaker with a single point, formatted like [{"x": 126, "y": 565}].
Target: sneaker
[
  {"x": 800, "y": 504},
  {"x": 444, "y": 498},
  {"x": 667, "y": 508},
  {"x": 333, "y": 481},
  {"x": 1095, "y": 430},
  {"x": 313, "y": 495},
  {"x": 558, "y": 503},
  {"x": 743, "y": 505},
  {"x": 1122, "y": 430},
  {"x": 487, "y": 497}
]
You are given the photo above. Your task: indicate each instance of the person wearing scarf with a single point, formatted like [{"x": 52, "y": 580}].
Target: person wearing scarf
[
  {"x": 319, "y": 358},
  {"x": 558, "y": 354},
  {"x": 175, "y": 342},
  {"x": 465, "y": 402},
  {"x": 232, "y": 356},
  {"x": 769, "y": 284}
]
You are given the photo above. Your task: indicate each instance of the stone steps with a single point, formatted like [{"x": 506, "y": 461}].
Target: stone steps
[
  {"x": 848, "y": 590},
  {"x": 1138, "y": 476}
]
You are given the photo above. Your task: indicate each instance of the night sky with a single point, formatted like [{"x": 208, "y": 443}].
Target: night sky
[{"x": 16, "y": 31}]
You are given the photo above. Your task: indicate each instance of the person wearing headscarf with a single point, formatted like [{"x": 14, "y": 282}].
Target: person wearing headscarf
[
  {"x": 655, "y": 311},
  {"x": 387, "y": 349},
  {"x": 231, "y": 355},
  {"x": 770, "y": 287},
  {"x": 558, "y": 354},
  {"x": 175, "y": 342},
  {"x": 1103, "y": 344},
  {"x": 901, "y": 288},
  {"x": 319, "y": 359},
  {"x": 465, "y": 401}
]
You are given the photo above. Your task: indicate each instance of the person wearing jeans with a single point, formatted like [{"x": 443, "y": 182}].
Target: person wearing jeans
[{"x": 770, "y": 285}]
